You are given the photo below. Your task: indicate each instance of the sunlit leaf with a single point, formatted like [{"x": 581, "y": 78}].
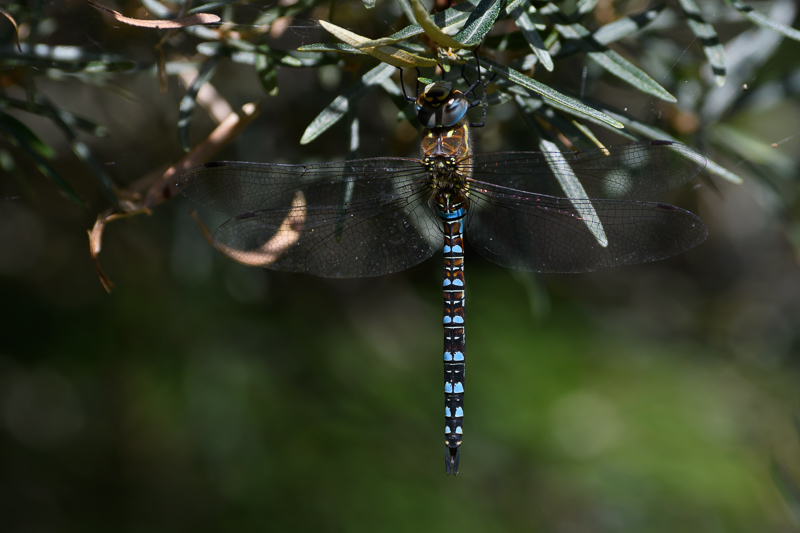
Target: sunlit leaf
[
  {"x": 707, "y": 35},
  {"x": 431, "y": 29},
  {"x": 479, "y": 23},
  {"x": 585, "y": 6},
  {"x": 330, "y": 47},
  {"x": 547, "y": 92},
  {"x": 762, "y": 20},
  {"x": 573, "y": 190},
  {"x": 627, "y": 25},
  {"x": 387, "y": 54},
  {"x": 157, "y": 8},
  {"x": 607, "y": 58},
  {"x": 344, "y": 103},
  {"x": 528, "y": 30}
]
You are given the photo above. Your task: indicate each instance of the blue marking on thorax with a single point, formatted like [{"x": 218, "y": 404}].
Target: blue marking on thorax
[
  {"x": 459, "y": 431},
  {"x": 459, "y": 388},
  {"x": 447, "y": 320},
  {"x": 459, "y": 412},
  {"x": 446, "y": 282},
  {"x": 456, "y": 249},
  {"x": 452, "y": 215},
  {"x": 458, "y": 282},
  {"x": 458, "y": 356},
  {"x": 449, "y": 357},
  {"x": 458, "y": 319},
  {"x": 448, "y": 388},
  {"x": 446, "y": 249}
]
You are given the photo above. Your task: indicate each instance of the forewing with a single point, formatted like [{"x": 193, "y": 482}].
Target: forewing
[
  {"x": 628, "y": 171},
  {"x": 347, "y": 219}
]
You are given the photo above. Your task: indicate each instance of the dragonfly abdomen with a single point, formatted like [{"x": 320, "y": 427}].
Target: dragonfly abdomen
[{"x": 452, "y": 212}]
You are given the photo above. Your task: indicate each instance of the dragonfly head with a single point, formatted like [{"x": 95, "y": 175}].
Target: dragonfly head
[{"x": 440, "y": 106}]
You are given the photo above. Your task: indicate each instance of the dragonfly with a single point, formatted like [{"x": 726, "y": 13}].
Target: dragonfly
[{"x": 371, "y": 217}]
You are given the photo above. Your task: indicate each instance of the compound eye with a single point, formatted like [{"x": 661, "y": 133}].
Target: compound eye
[
  {"x": 454, "y": 110},
  {"x": 439, "y": 106}
]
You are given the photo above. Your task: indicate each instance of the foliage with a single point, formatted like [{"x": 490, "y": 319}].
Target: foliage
[{"x": 208, "y": 399}]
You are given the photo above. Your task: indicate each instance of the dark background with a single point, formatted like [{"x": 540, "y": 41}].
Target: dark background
[{"x": 202, "y": 395}]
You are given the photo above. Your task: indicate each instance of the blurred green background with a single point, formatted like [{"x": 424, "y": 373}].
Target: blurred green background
[{"x": 202, "y": 395}]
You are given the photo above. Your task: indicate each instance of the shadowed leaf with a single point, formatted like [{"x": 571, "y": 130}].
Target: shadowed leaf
[
  {"x": 189, "y": 101},
  {"x": 24, "y": 139}
]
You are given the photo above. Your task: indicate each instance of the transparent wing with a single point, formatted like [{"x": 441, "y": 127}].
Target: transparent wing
[
  {"x": 628, "y": 171},
  {"x": 346, "y": 219},
  {"x": 519, "y": 217}
]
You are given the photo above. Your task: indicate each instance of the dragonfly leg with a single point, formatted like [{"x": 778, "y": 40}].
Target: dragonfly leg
[
  {"x": 403, "y": 86},
  {"x": 484, "y": 99}
]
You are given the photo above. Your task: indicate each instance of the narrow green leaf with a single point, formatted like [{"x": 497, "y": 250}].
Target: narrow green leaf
[
  {"x": 753, "y": 148},
  {"x": 189, "y": 101},
  {"x": 81, "y": 150},
  {"x": 607, "y": 58},
  {"x": 573, "y": 190},
  {"x": 633, "y": 125},
  {"x": 267, "y": 75},
  {"x": 568, "y": 126},
  {"x": 73, "y": 120},
  {"x": 431, "y": 29},
  {"x": 762, "y": 20},
  {"x": 547, "y": 92},
  {"x": 628, "y": 25},
  {"x": 330, "y": 47},
  {"x": 387, "y": 54},
  {"x": 535, "y": 105},
  {"x": 67, "y": 58},
  {"x": 479, "y": 23},
  {"x": 585, "y": 6},
  {"x": 707, "y": 35},
  {"x": 158, "y": 9},
  {"x": 516, "y": 4},
  {"x": 449, "y": 21},
  {"x": 25, "y": 140},
  {"x": 399, "y": 99},
  {"x": 210, "y": 6},
  {"x": 526, "y": 26},
  {"x": 342, "y": 104},
  {"x": 651, "y": 132}
]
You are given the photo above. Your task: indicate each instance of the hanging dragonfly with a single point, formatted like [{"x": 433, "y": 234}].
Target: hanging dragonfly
[{"x": 370, "y": 217}]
